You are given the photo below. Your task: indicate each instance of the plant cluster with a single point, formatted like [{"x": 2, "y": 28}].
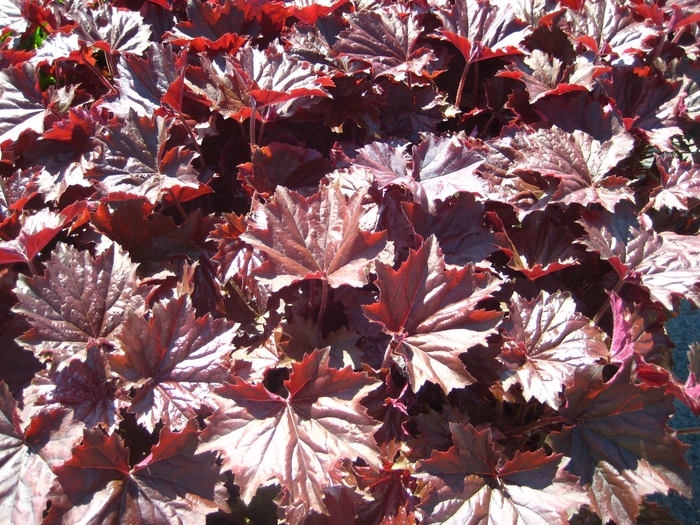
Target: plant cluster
[{"x": 345, "y": 262}]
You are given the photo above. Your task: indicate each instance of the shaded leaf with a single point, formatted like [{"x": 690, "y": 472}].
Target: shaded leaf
[{"x": 619, "y": 443}]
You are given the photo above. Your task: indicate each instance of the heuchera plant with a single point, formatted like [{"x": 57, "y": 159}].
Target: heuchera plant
[{"x": 345, "y": 262}]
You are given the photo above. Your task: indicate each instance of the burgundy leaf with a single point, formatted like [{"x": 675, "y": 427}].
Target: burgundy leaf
[
  {"x": 275, "y": 78},
  {"x": 540, "y": 245},
  {"x": 546, "y": 342},
  {"x": 387, "y": 40},
  {"x": 544, "y": 75},
  {"x": 432, "y": 314},
  {"x": 132, "y": 160},
  {"x": 609, "y": 28},
  {"x": 79, "y": 299},
  {"x": 84, "y": 387},
  {"x": 21, "y": 106},
  {"x": 638, "y": 332},
  {"x": 148, "y": 241},
  {"x": 144, "y": 82},
  {"x": 481, "y": 30},
  {"x": 667, "y": 263},
  {"x": 315, "y": 238},
  {"x": 458, "y": 224},
  {"x": 219, "y": 84},
  {"x": 37, "y": 232},
  {"x": 580, "y": 164},
  {"x": 645, "y": 100},
  {"x": 172, "y": 485},
  {"x": 173, "y": 360},
  {"x": 619, "y": 443},
  {"x": 27, "y": 457},
  {"x": 680, "y": 184},
  {"x": 471, "y": 485},
  {"x": 281, "y": 164},
  {"x": 214, "y": 26},
  {"x": 295, "y": 440},
  {"x": 113, "y": 30}
]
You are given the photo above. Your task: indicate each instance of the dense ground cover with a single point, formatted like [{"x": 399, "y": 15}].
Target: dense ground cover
[{"x": 345, "y": 261}]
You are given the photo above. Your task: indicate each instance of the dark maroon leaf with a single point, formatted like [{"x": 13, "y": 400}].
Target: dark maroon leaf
[
  {"x": 37, "y": 232},
  {"x": 148, "y": 241},
  {"x": 84, "y": 386},
  {"x": 580, "y": 164},
  {"x": 667, "y": 263},
  {"x": 458, "y": 224},
  {"x": 393, "y": 492},
  {"x": 315, "y": 238},
  {"x": 645, "y": 101},
  {"x": 546, "y": 342},
  {"x": 540, "y": 245},
  {"x": 144, "y": 82},
  {"x": 79, "y": 299},
  {"x": 548, "y": 76},
  {"x": 387, "y": 39},
  {"x": 28, "y": 454},
  {"x": 482, "y": 30},
  {"x": 638, "y": 332},
  {"x": 295, "y": 440},
  {"x": 173, "y": 360},
  {"x": 680, "y": 183},
  {"x": 619, "y": 443},
  {"x": 214, "y": 26},
  {"x": 472, "y": 483},
  {"x": 172, "y": 485},
  {"x": 431, "y": 313},
  {"x": 132, "y": 160},
  {"x": 283, "y": 165},
  {"x": 609, "y": 28}
]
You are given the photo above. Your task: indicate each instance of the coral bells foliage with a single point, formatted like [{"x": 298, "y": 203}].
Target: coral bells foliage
[{"x": 345, "y": 262}]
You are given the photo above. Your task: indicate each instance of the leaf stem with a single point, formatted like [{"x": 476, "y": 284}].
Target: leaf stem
[
  {"x": 606, "y": 304},
  {"x": 253, "y": 116},
  {"x": 543, "y": 423},
  {"x": 462, "y": 80},
  {"x": 324, "y": 300},
  {"x": 178, "y": 205},
  {"x": 688, "y": 431}
]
